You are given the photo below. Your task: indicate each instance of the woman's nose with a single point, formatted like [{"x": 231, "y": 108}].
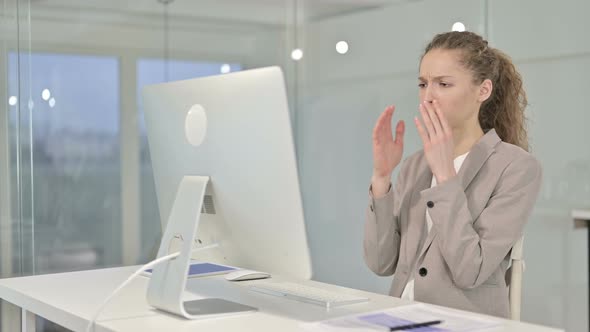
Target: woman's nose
[{"x": 429, "y": 95}]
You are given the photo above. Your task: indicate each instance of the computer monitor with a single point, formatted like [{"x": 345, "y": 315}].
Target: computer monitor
[{"x": 235, "y": 129}]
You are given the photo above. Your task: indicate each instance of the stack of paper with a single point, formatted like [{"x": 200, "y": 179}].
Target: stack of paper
[{"x": 452, "y": 320}]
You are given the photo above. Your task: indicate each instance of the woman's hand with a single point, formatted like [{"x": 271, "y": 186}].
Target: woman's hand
[
  {"x": 437, "y": 138},
  {"x": 387, "y": 152}
]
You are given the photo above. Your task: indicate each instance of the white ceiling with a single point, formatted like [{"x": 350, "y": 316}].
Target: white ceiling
[{"x": 245, "y": 11}]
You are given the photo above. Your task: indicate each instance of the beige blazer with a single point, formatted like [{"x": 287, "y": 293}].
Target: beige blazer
[{"x": 477, "y": 217}]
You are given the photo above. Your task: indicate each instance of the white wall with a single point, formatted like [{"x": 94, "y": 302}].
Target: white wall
[
  {"x": 548, "y": 41},
  {"x": 342, "y": 96}
]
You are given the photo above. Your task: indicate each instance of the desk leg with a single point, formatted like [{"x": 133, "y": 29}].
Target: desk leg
[{"x": 27, "y": 321}]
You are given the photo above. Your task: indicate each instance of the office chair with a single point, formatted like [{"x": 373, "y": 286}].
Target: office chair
[{"x": 514, "y": 279}]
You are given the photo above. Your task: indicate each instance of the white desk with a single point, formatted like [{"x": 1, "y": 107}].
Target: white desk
[
  {"x": 582, "y": 219},
  {"x": 69, "y": 299}
]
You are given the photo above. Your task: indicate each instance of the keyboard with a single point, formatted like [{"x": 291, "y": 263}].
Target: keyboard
[{"x": 308, "y": 294}]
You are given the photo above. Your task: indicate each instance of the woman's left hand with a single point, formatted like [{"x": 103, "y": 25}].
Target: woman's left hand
[{"x": 437, "y": 137}]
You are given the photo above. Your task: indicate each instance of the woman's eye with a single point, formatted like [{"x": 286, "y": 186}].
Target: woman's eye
[
  {"x": 421, "y": 85},
  {"x": 444, "y": 84}
]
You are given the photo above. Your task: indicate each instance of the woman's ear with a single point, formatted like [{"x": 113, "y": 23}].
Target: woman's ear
[{"x": 485, "y": 90}]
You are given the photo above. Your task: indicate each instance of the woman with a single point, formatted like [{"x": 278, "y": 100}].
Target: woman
[{"x": 445, "y": 230}]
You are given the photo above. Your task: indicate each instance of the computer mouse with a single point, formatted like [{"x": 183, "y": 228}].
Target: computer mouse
[{"x": 241, "y": 275}]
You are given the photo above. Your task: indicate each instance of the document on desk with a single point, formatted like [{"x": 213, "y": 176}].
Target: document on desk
[{"x": 409, "y": 314}]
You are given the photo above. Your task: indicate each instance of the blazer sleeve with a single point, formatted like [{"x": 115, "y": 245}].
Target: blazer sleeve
[
  {"x": 474, "y": 249},
  {"x": 382, "y": 230}
]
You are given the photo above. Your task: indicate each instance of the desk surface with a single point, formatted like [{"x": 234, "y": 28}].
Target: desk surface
[
  {"x": 581, "y": 214},
  {"x": 69, "y": 299}
]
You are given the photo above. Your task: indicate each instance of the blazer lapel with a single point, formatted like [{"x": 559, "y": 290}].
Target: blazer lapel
[{"x": 477, "y": 156}]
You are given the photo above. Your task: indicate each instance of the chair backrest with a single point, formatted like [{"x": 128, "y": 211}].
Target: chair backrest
[{"x": 514, "y": 279}]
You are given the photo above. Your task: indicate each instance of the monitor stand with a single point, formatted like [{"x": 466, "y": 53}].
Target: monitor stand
[{"x": 168, "y": 280}]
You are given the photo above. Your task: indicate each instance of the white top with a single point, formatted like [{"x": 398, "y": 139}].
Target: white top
[{"x": 408, "y": 292}]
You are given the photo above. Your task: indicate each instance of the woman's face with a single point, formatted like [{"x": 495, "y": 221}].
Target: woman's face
[{"x": 444, "y": 79}]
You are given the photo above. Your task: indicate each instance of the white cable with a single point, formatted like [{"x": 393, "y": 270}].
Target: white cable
[{"x": 134, "y": 275}]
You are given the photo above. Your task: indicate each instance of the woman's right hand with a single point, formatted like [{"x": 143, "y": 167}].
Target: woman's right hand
[{"x": 387, "y": 152}]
